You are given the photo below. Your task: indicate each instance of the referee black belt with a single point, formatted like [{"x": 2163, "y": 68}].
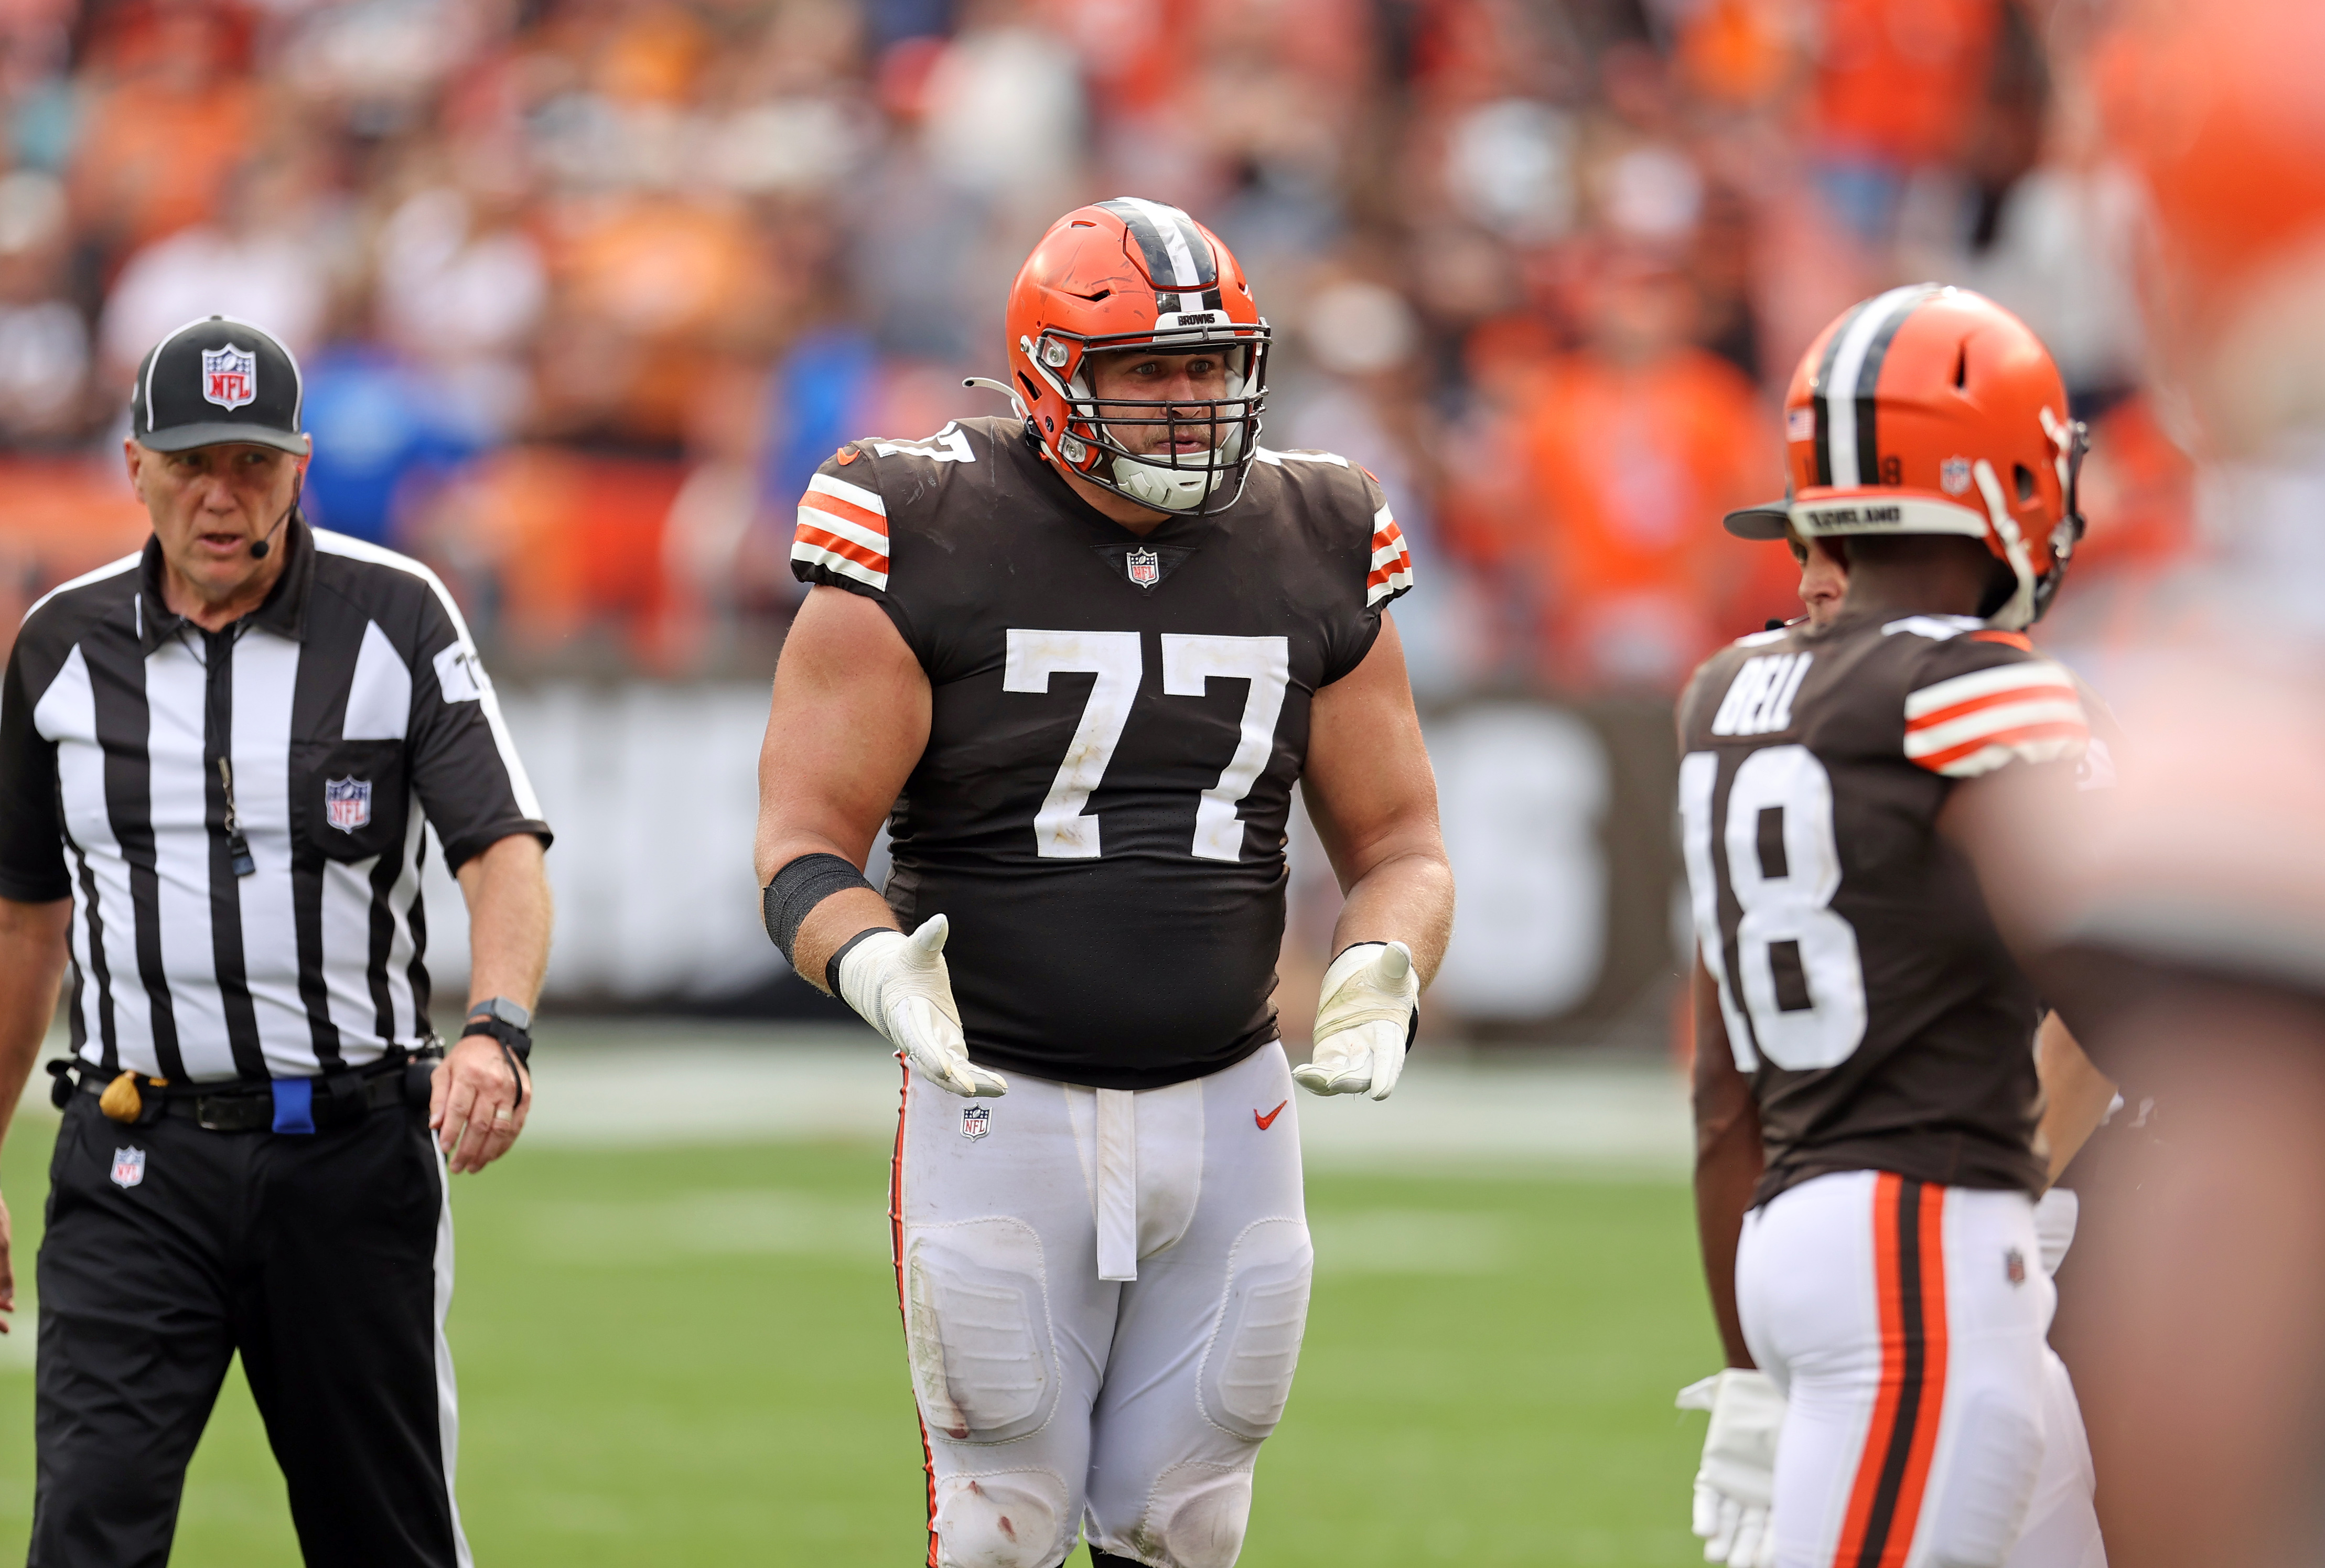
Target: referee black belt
[{"x": 332, "y": 1100}]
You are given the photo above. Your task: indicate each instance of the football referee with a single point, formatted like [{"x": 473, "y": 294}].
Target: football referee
[{"x": 216, "y": 757}]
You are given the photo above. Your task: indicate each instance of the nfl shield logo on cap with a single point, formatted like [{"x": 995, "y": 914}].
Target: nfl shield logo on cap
[
  {"x": 229, "y": 376},
  {"x": 347, "y": 803},
  {"x": 128, "y": 1167}
]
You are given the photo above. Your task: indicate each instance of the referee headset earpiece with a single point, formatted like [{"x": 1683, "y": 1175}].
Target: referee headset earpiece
[{"x": 263, "y": 546}]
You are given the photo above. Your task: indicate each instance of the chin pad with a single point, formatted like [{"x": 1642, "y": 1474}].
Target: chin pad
[{"x": 1169, "y": 490}]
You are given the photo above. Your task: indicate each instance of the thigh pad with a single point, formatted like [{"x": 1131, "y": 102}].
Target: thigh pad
[
  {"x": 976, "y": 1325},
  {"x": 1254, "y": 1345}
]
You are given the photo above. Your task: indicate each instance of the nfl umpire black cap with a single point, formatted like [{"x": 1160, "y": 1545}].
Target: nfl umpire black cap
[
  {"x": 217, "y": 380},
  {"x": 1769, "y": 520}
]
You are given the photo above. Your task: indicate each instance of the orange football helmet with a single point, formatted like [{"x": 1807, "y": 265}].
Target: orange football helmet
[
  {"x": 1932, "y": 410},
  {"x": 1129, "y": 274}
]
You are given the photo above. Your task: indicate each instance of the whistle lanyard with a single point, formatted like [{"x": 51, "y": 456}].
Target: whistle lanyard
[{"x": 218, "y": 672}]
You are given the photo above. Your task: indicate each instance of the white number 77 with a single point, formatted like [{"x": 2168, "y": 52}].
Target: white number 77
[{"x": 1189, "y": 662}]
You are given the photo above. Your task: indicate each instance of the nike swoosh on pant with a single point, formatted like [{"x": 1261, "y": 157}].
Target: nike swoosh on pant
[{"x": 1269, "y": 1119}]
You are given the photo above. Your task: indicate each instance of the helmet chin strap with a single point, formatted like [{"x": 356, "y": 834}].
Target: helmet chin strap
[{"x": 2017, "y": 613}]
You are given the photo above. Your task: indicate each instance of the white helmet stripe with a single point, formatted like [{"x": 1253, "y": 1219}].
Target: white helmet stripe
[
  {"x": 1843, "y": 388},
  {"x": 1177, "y": 231}
]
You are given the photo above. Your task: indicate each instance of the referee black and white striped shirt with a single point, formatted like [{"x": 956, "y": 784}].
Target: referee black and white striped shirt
[{"x": 324, "y": 725}]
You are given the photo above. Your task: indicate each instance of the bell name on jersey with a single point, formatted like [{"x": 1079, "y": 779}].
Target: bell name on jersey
[
  {"x": 1865, "y": 987},
  {"x": 1117, "y": 724}
]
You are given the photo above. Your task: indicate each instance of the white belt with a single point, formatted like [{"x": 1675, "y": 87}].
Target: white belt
[{"x": 1116, "y": 1179}]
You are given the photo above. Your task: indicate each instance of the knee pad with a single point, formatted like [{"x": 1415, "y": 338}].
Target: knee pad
[
  {"x": 976, "y": 1327},
  {"x": 1005, "y": 1519},
  {"x": 1194, "y": 1518},
  {"x": 1983, "y": 1504},
  {"x": 1254, "y": 1345}
]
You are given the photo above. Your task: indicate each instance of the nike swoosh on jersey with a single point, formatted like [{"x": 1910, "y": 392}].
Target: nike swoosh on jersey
[{"x": 1269, "y": 1119}]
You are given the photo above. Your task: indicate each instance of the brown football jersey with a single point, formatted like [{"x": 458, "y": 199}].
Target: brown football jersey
[
  {"x": 1865, "y": 990},
  {"x": 1117, "y": 721}
]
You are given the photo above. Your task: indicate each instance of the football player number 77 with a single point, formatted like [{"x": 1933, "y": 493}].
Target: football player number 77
[
  {"x": 1189, "y": 662},
  {"x": 1786, "y": 907}
]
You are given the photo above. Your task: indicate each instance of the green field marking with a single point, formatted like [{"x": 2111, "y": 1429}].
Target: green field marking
[{"x": 693, "y": 1355}]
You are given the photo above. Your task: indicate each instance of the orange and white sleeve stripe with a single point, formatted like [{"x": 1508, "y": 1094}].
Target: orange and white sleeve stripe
[
  {"x": 843, "y": 528},
  {"x": 1392, "y": 570},
  {"x": 1973, "y": 724}
]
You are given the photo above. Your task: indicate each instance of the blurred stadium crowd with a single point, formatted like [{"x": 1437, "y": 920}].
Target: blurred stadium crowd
[{"x": 583, "y": 289}]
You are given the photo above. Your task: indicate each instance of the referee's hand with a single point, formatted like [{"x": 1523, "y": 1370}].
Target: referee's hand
[{"x": 472, "y": 1103}]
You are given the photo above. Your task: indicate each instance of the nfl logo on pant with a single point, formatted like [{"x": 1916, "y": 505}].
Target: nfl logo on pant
[
  {"x": 347, "y": 803},
  {"x": 975, "y": 1120},
  {"x": 128, "y": 1167}
]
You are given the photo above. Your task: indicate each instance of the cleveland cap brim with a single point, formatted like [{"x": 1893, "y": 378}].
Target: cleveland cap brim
[
  {"x": 1770, "y": 520},
  {"x": 183, "y": 438}
]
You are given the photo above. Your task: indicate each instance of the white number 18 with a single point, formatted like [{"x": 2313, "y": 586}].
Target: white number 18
[{"x": 1795, "y": 908}]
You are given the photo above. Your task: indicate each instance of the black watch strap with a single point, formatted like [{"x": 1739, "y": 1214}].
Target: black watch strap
[{"x": 519, "y": 1041}]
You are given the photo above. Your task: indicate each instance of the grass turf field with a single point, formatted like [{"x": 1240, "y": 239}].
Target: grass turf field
[{"x": 693, "y": 1355}]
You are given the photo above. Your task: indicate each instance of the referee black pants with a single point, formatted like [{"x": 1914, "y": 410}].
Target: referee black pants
[{"x": 324, "y": 1258}]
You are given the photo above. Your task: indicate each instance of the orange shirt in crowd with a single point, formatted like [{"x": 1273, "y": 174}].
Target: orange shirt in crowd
[
  {"x": 1631, "y": 470},
  {"x": 1900, "y": 79},
  {"x": 63, "y": 517},
  {"x": 155, "y": 156},
  {"x": 573, "y": 541}
]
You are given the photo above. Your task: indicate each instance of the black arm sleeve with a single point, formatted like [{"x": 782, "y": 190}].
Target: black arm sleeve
[
  {"x": 31, "y": 841},
  {"x": 464, "y": 767}
]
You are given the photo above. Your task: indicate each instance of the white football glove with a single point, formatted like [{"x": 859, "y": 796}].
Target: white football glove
[
  {"x": 900, "y": 983},
  {"x": 1736, "y": 1480},
  {"x": 1363, "y": 1021}
]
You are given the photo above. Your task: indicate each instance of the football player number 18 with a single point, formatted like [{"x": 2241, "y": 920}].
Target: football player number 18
[
  {"x": 1785, "y": 904},
  {"x": 1061, "y": 828}
]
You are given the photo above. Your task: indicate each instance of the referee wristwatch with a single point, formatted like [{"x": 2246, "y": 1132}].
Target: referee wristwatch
[
  {"x": 510, "y": 1025},
  {"x": 505, "y": 1021}
]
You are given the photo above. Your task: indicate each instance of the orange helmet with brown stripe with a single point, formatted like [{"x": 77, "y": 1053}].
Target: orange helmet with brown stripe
[
  {"x": 1932, "y": 410},
  {"x": 1130, "y": 273}
]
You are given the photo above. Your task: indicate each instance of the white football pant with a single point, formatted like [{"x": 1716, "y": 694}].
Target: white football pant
[
  {"x": 1904, "y": 1323},
  {"x": 1104, "y": 1296}
]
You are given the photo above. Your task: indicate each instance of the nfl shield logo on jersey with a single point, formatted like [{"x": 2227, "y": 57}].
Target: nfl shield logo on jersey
[
  {"x": 229, "y": 375},
  {"x": 1145, "y": 567},
  {"x": 975, "y": 1120},
  {"x": 347, "y": 803},
  {"x": 128, "y": 1167}
]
